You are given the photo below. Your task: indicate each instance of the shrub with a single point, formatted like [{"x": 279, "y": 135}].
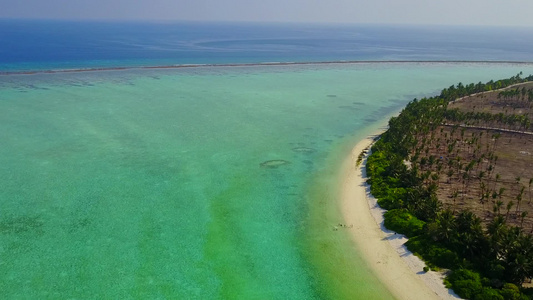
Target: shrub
[
  {"x": 433, "y": 254},
  {"x": 528, "y": 292},
  {"x": 443, "y": 257},
  {"x": 511, "y": 292},
  {"x": 489, "y": 294},
  {"x": 403, "y": 222},
  {"x": 466, "y": 283}
]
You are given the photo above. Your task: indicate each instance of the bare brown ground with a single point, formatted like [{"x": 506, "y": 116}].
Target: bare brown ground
[
  {"x": 489, "y": 102},
  {"x": 515, "y": 159},
  {"x": 509, "y": 153}
]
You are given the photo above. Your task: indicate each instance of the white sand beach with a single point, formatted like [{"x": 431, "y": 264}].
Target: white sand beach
[{"x": 395, "y": 266}]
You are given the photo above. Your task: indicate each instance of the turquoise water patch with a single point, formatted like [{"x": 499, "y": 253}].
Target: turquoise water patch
[{"x": 201, "y": 183}]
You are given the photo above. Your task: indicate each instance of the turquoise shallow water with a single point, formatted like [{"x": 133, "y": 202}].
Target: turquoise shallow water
[{"x": 150, "y": 184}]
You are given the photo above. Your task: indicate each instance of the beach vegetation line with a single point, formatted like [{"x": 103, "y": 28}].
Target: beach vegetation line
[{"x": 489, "y": 255}]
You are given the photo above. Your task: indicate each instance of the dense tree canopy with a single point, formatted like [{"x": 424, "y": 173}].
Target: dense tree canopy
[{"x": 489, "y": 261}]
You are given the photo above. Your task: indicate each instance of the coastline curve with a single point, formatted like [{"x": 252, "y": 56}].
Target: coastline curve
[{"x": 384, "y": 250}]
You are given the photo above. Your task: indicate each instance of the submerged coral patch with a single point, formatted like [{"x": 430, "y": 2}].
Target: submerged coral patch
[
  {"x": 274, "y": 163},
  {"x": 303, "y": 149},
  {"x": 348, "y": 107},
  {"x": 23, "y": 224}
]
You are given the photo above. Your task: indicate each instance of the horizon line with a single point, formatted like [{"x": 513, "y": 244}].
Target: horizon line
[{"x": 274, "y": 22}]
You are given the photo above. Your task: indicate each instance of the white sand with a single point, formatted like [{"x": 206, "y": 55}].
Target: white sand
[{"x": 395, "y": 266}]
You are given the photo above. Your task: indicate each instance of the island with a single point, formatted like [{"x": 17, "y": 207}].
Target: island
[{"x": 455, "y": 174}]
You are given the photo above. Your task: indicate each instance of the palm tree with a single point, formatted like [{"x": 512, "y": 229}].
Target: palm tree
[
  {"x": 454, "y": 195},
  {"x": 497, "y": 207},
  {"x": 482, "y": 194},
  {"x": 450, "y": 174},
  {"x": 530, "y": 182},
  {"x": 445, "y": 226},
  {"x": 470, "y": 234},
  {"x": 498, "y": 177},
  {"x": 494, "y": 195},
  {"x": 522, "y": 216},
  {"x": 509, "y": 206},
  {"x": 519, "y": 198},
  {"x": 496, "y": 231},
  {"x": 500, "y": 192},
  {"x": 495, "y": 137},
  {"x": 517, "y": 179}
]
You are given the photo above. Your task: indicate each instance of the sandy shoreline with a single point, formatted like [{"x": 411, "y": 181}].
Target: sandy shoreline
[{"x": 395, "y": 266}]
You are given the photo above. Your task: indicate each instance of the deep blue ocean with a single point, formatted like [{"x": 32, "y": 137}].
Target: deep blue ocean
[{"x": 45, "y": 45}]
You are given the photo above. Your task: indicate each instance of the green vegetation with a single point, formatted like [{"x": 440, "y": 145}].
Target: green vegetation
[
  {"x": 361, "y": 156},
  {"x": 489, "y": 259}
]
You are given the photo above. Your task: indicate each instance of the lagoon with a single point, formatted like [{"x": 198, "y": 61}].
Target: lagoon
[{"x": 197, "y": 183}]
